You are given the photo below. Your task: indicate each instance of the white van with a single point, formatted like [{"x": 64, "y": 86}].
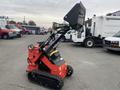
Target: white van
[{"x": 112, "y": 43}]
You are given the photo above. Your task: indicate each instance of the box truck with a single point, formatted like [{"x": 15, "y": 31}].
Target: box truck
[{"x": 96, "y": 29}]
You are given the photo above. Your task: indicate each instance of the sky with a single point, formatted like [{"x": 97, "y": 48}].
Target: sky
[{"x": 44, "y": 12}]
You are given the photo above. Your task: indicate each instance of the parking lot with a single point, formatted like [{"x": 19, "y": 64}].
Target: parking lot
[{"x": 94, "y": 69}]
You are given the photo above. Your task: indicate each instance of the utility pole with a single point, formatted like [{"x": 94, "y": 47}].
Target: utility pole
[{"x": 24, "y": 22}]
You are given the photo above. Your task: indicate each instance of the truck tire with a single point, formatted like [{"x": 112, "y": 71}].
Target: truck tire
[
  {"x": 63, "y": 39},
  {"x": 5, "y": 36},
  {"x": 19, "y": 35},
  {"x": 70, "y": 37},
  {"x": 89, "y": 43}
]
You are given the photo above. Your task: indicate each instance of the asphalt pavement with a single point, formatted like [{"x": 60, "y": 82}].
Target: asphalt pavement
[{"x": 94, "y": 69}]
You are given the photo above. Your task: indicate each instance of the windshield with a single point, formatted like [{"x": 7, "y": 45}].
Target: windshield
[
  {"x": 2, "y": 27},
  {"x": 117, "y": 34},
  {"x": 12, "y": 27}
]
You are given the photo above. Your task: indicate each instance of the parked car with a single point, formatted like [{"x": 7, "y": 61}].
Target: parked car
[
  {"x": 112, "y": 43},
  {"x": 14, "y": 28},
  {"x": 43, "y": 32},
  {"x": 6, "y": 33},
  {"x": 24, "y": 30},
  {"x": 33, "y": 29}
]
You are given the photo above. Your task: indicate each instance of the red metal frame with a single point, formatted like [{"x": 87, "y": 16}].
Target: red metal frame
[{"x": 33, "y": 56}]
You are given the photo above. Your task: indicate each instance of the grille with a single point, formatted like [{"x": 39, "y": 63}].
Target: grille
[{"x": 108, "y": 43}]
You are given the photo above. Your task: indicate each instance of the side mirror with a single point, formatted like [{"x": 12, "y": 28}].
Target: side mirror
[
  {"x": 0, "y": 28},
  {"x": 82, "y": 30},
  {"x": 7, "y": 27},
  {"x": 68, "y": 32}
]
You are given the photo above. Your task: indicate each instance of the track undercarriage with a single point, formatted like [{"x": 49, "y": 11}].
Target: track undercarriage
[{"x": 46, "y": 79}]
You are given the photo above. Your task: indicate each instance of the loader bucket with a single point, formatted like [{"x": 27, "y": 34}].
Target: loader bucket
[{"x": 76, "y": 16}]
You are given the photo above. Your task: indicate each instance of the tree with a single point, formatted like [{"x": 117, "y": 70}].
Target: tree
[
  {"x": 32, "y": 23},
  {"x": 20, "y": 23},
  {"x": 25, "y": 23},
  {"x": 12, "y": 22}
]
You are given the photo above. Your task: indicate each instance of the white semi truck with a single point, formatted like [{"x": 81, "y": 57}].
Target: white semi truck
[{"x": 99, "y": 28}]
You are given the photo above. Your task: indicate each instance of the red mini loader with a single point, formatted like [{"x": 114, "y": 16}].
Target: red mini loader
[{"x": 45, "y": 64}]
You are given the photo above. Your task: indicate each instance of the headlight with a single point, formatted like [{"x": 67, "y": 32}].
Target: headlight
[
  {"x": 31, "y": 47},
  {"x": 10, "y": 32},
  {"x": 61, "y": 59}
]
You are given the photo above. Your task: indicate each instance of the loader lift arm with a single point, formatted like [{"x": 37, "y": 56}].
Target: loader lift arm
[{"x": 75, "y": 17}]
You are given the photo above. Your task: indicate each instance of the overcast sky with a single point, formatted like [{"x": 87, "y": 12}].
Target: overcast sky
[{"x": 44, "y": 12}]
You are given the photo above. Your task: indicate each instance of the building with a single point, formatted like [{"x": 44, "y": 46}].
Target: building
[
  {"x": 117, "y": 13},
  {"x": 33, "y": 29}
]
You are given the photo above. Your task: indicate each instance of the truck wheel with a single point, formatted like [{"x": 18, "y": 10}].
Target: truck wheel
[
  {"x": 69, "y": 70},
  {"x": 20, "y": 35},
  {"x": 63, "y": 39},
  {"x": 89, "y": 43},
  {"x": 5, "y": 36},
  {"x": 70, "y": 37}
]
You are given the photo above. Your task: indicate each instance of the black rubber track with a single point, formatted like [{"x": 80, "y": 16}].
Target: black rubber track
[{"x": 46, "y": 79}]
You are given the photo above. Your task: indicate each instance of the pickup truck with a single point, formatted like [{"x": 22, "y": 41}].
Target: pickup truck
[
  {"x": 112, "y": 43},
  {"x": 24, "y": 30},
  {"x": 14, "y": 28},
  {"x": 6, "y": 33}
]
